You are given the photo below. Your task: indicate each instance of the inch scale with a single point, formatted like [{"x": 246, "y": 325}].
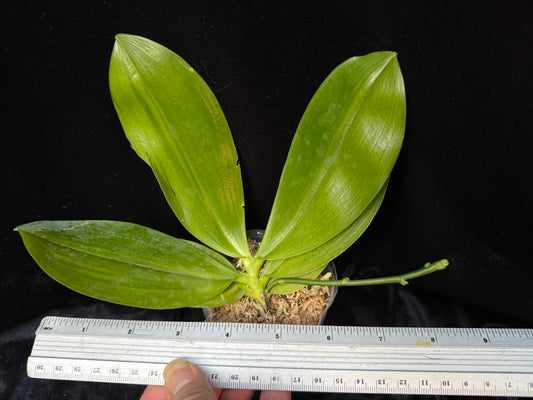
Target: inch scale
[{"x": 443, "y": 361}]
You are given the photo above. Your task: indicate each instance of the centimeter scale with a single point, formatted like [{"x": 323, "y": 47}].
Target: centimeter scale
[{"x": 454, "y": 361}]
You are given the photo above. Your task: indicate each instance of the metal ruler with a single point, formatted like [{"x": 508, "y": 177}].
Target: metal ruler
[{"x": 454, "y": 361}]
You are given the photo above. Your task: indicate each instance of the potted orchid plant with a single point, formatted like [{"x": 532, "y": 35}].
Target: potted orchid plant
[{"x": 332, "y": 185}]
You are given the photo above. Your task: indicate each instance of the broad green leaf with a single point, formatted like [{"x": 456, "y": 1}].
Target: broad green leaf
[
  {"x": 175, "y": 124},
  {"x": 230, "y": 295},
  {"x": 318, "y": 257},
  {"x": 341, "y": 156},
  {"x": 126, "y": 263}
]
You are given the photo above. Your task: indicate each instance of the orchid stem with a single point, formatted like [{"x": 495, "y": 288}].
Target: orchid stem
[{"x": 402, "y": 279}]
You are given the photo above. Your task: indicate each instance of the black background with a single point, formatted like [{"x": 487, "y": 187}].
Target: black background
[{"x": 462, "y": 187}]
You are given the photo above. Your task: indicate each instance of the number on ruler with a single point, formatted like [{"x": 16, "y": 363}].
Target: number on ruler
[{"x": 60, "y": 368}]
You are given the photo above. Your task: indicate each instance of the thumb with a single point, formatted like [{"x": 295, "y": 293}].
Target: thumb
[{"x": 185, "y": 381}]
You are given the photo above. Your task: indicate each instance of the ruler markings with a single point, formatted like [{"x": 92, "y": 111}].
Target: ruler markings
[
  {"x": 279, "y": 379},
  {"x": 484, "y": 362}
]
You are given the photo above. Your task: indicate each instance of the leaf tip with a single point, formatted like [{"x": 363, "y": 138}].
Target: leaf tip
[
  {"x": 21, "y": 228},
  {"x": 125, "y": 40},
  {"x": 120, "y": 37}
]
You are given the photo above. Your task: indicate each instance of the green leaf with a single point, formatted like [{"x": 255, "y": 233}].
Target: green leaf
[
  {"x": 126, "y": 263},
  {"x": 342, "y": 154},
  {"x": 230, "y": 295},
  {"x": 175, "y": 124},
  {"x": 318, "y": 257}
]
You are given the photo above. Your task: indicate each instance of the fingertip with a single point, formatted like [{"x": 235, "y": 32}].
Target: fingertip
[
  {"x": 177, "y": 374},
  {"x": 186, "y": 381},
  {"x": 175, "y": 365},
  {"x": 153, "y": 393}
]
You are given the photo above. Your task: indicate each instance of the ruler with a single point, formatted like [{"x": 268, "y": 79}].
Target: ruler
[{"x": 439, "y": 361}]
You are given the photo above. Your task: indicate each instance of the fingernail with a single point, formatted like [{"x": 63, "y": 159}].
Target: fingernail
[{"x": 177, "y": 374}]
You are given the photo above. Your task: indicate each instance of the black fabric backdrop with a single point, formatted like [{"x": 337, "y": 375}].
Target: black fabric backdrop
[{"x": 461, "y": 189}]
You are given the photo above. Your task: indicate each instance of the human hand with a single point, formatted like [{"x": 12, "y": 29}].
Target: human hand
[{"x": 185, "y": 381}]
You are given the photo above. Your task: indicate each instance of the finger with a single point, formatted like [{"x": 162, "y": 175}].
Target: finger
[
  {"x": 154, "y": 393},
  {"x": 185, "y": 381},
  {"x": 275, "y": 395},
  {"x": 237, "y": 394}
]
